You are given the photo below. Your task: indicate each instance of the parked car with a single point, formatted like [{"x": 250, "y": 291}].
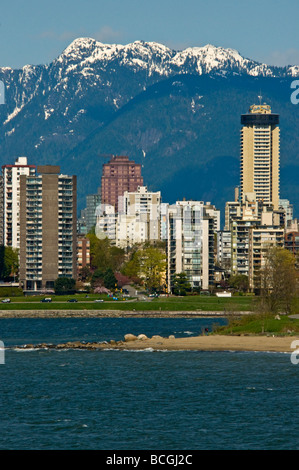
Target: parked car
[
  {"x": 6, "y": 301},
  {"x": 72, "y": 300},
  {"x": 47, "y": 299},
  {"x": 99, "y": 300}
]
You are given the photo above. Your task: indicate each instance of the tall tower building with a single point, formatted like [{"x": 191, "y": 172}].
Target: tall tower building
[
  {"x": 260, "y": 154},
  {"x": 48, "y": 232},
  {"x": 119, "y": 175},
  {"x": 10, "y": 200}
]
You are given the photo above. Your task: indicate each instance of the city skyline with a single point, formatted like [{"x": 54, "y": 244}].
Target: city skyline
[
  {"x": 149, "y": 203},
  {"x": 256, "y": 219}
]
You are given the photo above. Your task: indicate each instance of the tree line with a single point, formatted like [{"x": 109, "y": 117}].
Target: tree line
[{"x": 144, "y": 264}]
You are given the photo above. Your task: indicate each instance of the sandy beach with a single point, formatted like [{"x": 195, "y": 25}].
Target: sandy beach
[
  {"x": 196, "y": 343},
  {"x": 214, "y": 343}
]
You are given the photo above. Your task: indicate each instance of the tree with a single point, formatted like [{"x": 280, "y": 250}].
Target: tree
[
  {"x": 278, "y": 280},
  {"x": 239, "y": 282},
  {"x": 64, "y": 285},
  {"x": 104, "y": 278},
  {"x": 99, "y": 252},
  {"x": 131, "y": 268},
  {"x": 152, "y": 266},
  {"x": 181, "y": 284},
  {"x": 103, "y": 255},
  {"x": 97, "y": 278},
  {"x": 84, "y": 274},
  {"x": 9, "y": 262},
  {"x": 117, "y": 257},
  {"x": 109, "y": 279}
]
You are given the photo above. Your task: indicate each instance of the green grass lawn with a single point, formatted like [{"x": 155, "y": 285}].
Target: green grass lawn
[
  {"x": 257, "y": 324},
  {"x": 188, "y": 303}
]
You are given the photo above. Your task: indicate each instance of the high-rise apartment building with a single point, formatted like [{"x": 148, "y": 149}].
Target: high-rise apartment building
[
  {"x": 48, "y": 208},
  {"x": 92, "y": 202},
  {"x": 260, "y": 154},
  {"x": 224, "y": 249},
  {"x": 119, "y": 175},
  {"x": 261, "y": 240},
  {"x": 106, "y": 222},
  {"x": 241, "y": 229},
  {"x": 240, "y": 244},
  {"x": 190, "y": 244},
  {"x": 10, "y": 200},
  {"x": 139, "y": 218}
]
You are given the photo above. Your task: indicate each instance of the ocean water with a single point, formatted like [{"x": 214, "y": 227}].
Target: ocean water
[{"x": 141, "y": 400}]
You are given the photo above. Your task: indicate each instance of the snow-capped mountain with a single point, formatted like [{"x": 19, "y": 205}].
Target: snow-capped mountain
[
  {"x": 54, "y": 112},
  {"x": 85, "y": 53},
  {"x": 90, "y": 64}
]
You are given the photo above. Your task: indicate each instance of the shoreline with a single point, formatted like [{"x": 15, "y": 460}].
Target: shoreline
[
  {"x": 39, "y": 313},
  {"x": 210, "y": 342},
  {"x": 196, "y": 343}
]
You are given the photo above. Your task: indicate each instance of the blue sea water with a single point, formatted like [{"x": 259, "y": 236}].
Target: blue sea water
[{"x": 127, "y": 400}]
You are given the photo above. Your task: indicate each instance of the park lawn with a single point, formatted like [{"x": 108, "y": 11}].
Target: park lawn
[
  {"x": 205, "y": 303},
  {"x": 188, "y": 303},
  {"x": 55, "y": 298},
  {"x": 257, "y": 324}
]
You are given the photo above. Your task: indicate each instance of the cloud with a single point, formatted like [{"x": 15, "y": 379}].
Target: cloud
[
  {"x": 64, "y": 36},
  {"x": 282, "y": 58},
  {"x": 105, "y": 34},
  {"x": 108, "y": 34}
]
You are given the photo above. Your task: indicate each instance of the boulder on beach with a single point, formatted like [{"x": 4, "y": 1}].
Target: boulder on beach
[
  {"x": 130, "y": 337},
  {"x": 142, "y": 337}
]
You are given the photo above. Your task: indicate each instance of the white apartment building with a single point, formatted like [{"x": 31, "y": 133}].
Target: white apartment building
[
  {"x": 190, "y": 244},
  {"x": 224, "y": 255},
  {"x": 11, "y": 199},
  {"x": 138, "y": 219},
  {"x": 106, "y": 222}
]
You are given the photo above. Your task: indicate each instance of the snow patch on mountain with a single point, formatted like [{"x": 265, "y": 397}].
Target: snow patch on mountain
[{"x": 13, "y": 114}]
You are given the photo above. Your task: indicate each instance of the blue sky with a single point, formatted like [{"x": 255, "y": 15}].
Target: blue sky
[{"x": 37, "y": 31}]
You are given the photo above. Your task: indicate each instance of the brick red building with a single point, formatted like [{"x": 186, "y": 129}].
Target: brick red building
[{"x": 119, "y": 175}]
